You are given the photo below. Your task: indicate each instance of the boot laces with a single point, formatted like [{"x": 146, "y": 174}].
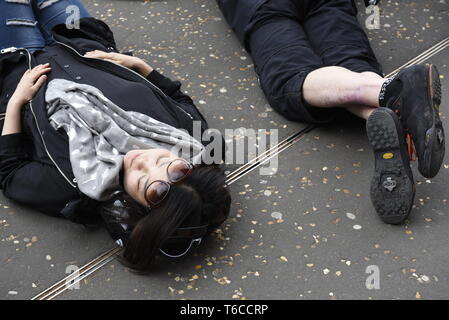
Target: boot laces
[
  {"x": 411, "y": 147},
  {"x": 412, "y": 154}
]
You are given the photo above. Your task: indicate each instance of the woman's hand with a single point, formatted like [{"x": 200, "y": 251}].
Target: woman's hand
[
  {"x": 29, "y": 84},
  {"x": 27, "y": 88},
  {"x": 133, "y": 63}
]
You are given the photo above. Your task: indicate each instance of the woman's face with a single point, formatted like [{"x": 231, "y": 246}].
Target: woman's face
[{"x": 141, "y": 167}]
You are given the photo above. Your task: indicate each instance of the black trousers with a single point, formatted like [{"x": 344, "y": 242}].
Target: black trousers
[{"x": 288, "y": 39}]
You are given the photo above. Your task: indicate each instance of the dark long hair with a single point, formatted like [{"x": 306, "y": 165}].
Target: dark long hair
[{"x": 202, "y": 198}]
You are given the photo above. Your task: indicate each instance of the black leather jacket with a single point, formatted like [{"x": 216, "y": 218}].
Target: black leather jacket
[{"x": 35, "y": 167}]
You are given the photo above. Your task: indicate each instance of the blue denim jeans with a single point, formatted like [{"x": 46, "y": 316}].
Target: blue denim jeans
[{"x": 28, "y": 23}]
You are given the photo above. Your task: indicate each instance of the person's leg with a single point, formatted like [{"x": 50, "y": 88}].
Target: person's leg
[
  {"x": 18, "y": 26},
  {"x": 363, "y": 111},
  {"x": 291, "y": 74},
  {"x": 414, "y": 94},
  {"x": 337, "y": 86},
  {"x": 340, "y": 41},
  {"x": 353, "y": 73},
  {"x": 337, "y": 36},
  {"x": 283, "y": 58},
  {"x": 52, "y": 12}
]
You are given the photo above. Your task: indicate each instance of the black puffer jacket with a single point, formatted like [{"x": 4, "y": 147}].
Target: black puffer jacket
[{"x": 35, "y": 167}]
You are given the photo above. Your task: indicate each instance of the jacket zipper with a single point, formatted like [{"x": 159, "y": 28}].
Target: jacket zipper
[
  {"x": 13, "y": 49},
  {"x": 138, "y": 74}
]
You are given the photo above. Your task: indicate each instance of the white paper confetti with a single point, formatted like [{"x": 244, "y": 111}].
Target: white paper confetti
[
  {"x": 276, "y": 215},
  {"x": 350, "y": 215}
]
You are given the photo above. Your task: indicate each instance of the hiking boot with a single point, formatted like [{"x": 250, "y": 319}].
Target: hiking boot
[
  {"x": 415, "y": 95},
  {"x": 392, "y": 186}
]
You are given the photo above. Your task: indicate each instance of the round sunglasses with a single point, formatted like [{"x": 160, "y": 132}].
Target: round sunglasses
[{"x": 157, "y": 191}]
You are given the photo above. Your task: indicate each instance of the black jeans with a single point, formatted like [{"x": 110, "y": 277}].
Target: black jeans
[{"x": 288, "y": 39}]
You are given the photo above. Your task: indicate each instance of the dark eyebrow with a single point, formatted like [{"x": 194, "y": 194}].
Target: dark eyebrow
[{"x": 138, "y": 182}]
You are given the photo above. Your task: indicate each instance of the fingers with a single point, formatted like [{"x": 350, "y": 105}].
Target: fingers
[
  {"x": 38, "y": 68},
  {"x": 41, "y": 66},
  {"x": 98, "y": 54},
  {"x": 40, "y": 81},
  {"x": 108, "y": 56},
  {"x": 38, "y": 71}
]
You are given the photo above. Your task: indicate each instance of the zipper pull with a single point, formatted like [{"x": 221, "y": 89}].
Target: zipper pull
[{"x": 10, "y": 49}]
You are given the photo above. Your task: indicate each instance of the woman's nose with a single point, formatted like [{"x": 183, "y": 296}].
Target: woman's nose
[
  {"x": 141, "y": 163},
  {"x": 145, "y": 165}
]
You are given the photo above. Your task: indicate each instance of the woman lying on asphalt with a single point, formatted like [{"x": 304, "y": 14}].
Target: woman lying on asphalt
[
  {"x": 89, "y": 133},
  {"x": 313, "y": 58}
]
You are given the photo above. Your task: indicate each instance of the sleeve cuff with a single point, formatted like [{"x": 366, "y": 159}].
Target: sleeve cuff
[
  {"x": 156, "y": 77},
  {"x": 13, "y": 141},
  {"x": 164, "y": 83}
]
